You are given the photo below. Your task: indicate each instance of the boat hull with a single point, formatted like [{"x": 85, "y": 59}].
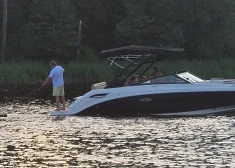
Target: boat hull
[{"x": 167, "y": 104}]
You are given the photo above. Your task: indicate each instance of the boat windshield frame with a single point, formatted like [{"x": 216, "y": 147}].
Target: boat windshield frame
[{"x": 137, "y": 56}]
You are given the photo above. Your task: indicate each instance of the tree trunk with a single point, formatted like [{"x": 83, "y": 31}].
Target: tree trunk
[{"x": 4, "y": 32}]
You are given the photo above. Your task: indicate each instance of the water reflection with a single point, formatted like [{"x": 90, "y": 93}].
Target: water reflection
[
  {"x": 29, "y": 137},
  {"x": 38, "y": 140}
]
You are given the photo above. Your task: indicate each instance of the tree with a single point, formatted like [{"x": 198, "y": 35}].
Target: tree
[
  {"x": 18, "y": 17},
  {"x": 52, "y": 29},
  {"x": 46, "y": 29},
  {"x": 148, "y": 23},
  {"x": 203, "y": 27},
  {"x": 100, "y": 18},
  {"x": 4, "y": 32},
  {"x": 206, "y": 25}
]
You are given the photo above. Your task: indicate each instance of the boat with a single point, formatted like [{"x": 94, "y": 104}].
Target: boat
[{"x": 176, "y": 94}]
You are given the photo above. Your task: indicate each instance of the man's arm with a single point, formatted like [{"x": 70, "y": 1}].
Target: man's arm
[{"x": 47, "y": 81}]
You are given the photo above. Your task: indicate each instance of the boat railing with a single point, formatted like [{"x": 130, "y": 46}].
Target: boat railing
[{"x": 129, "y": 58}]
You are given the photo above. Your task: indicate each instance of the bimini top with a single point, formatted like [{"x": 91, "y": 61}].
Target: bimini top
[{"x": 137, "y": 49}]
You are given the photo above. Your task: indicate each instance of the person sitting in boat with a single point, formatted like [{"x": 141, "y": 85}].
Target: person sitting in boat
[
  {"x": 155, "y": 73},
  {"x": 142, "y": 79},
  {"x": 131, "y": 81}
]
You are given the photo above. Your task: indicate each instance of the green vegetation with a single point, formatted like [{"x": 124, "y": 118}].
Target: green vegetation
[
  {"x": 48, "y": 29},
  {"x": 37, "y": 72}
]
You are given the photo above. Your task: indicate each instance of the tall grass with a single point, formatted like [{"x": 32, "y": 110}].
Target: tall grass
[
  {"x": 88, "y": 72},
  {"x": 207, "y": 69},
  {"x": 37, "y": 72}
]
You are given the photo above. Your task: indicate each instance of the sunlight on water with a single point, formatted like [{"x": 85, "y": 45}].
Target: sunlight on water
[{"x": 31, "y": 138}]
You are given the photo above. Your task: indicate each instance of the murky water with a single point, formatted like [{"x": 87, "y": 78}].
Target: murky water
[{"x": 29, "y": 137}]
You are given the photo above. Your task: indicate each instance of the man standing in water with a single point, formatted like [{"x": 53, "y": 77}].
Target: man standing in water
[{"x": 56, "y": 76}]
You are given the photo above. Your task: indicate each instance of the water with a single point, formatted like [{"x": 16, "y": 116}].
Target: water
[{"x": 31, "y": 138}]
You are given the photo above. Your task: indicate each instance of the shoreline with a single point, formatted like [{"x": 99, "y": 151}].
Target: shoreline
[{"x": 39, "y": 84}]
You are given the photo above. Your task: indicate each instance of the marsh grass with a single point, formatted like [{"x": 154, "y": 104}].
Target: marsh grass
[{"x": 37, "y": 72}]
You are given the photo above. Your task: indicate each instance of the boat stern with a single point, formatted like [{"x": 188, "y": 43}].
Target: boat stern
[
  {"x": 71, "y": 111},
  {"x": 60, "y": 113}
]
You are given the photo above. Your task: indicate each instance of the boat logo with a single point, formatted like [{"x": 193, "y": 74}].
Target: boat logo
[
  {"x": 227, "y": 82},
  {"x": 145, "y": 100}
]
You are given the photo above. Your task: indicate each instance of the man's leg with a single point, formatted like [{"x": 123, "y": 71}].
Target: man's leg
[
  {"x": 63, "y": 102},
  {"x": 62, "y": 97},
  {"x": 57, "y": 100}
]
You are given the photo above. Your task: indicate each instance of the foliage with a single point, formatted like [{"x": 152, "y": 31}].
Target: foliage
[
  {"x": 88, "y": 54},
  {"x": 148, "y": 23},
  {"x": 47, "y": 29},
  {"x": 203, "y": 27},
  {"x": 36, "y": 72},
  {"x": 51, "y": 31}
]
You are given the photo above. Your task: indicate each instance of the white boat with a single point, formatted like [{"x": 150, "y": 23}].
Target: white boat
[{"x": 176, "y": 94}]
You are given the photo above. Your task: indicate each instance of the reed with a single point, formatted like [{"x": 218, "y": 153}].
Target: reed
[
  {"x": 36, "y": 72},
  {"x": 206, "y": 68}
]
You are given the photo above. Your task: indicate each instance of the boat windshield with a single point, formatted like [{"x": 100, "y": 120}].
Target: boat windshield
[
  {"x": 169, "y": 79},
  {"x": 178, "y": 78},
  {"x": 189, "y": 77}
]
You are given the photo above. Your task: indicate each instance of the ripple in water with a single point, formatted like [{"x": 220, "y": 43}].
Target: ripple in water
[{"x": 31, "y": 138}]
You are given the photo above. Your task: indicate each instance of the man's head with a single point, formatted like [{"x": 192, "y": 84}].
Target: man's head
[
  {"x": 155, "y": 70},
  {"x": 133, "y": 78},
  {"x": 52, "y": 64}
]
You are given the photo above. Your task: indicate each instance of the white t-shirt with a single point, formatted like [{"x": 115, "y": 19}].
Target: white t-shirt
[{"x": 57, "y": 76}]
